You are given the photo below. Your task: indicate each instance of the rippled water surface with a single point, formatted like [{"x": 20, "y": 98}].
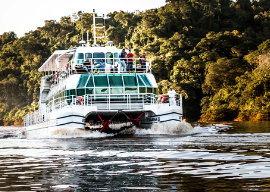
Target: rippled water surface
[{"x": 217, "y": 157}]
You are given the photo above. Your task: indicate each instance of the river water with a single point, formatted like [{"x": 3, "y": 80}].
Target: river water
[{"x": 229, "y": 156}]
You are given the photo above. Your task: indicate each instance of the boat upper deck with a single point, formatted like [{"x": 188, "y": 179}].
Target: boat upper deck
[{"x": 88, "y": 59}]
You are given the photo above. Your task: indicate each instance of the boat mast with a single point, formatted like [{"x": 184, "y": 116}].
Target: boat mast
[
  {"x": 98, "y": 27},
  {"x": 94, "y": 22}
]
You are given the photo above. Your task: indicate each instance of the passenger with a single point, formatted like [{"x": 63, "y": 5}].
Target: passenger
[
  {"x": 130, "y": 61},
  {"x": 143, "y": 63},
  {"x": 171, "y": 93},
  {"x": 101, "y": 65},
  {"x": 86, "y": 69},
  {"x": 87, "y": 65},
  {"x": 122, "y": 56}
]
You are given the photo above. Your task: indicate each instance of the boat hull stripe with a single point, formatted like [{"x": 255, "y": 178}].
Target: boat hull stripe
[
  {"x": 164, "y": 121},
  {"x": 70, "y": 116},
  {"x": 170, "y": 120},
  {"x": 167, "y": 114},
  {"x": 70, "y": 123}
]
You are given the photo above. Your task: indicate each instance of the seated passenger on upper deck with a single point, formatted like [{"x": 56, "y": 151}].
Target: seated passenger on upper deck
[
  {"x": 101, "y": 64},
  {"x": 87, "y": 65}
]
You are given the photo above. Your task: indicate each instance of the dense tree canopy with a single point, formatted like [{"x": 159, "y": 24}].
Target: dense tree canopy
[{"x": 215, "y": 52}]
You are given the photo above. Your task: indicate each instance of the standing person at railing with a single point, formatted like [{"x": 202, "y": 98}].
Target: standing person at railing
[
  {"x": 171, "y": 93},
  {"x": 122, "y": 57},
  {"x": 130, "y": 61},
  {"x": 143, "y": 63}
]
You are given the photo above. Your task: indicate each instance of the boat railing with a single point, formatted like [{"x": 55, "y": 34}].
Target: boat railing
[
  {"x": 101, "y": 102},
  {"x": 82, "y": 66},
  {"x": 163, "y": 99},
  {"x": 104, "y": 101},
  {"x": 35, "y": 117},
  {"x": 111, "y": 65}
]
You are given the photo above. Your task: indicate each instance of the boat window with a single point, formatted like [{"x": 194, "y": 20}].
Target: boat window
[
  {"x": 130, "y": 80},
  {"x": 146, "y": 80},
  {"x": 149, "y": 90},
  {"x": 90, "y": 82},
  {"x": 117, "y": 91},
  {"x": 131, "y": 90},
  {"x": 140, "y": 81},
  {"x": 102, "y": 91},
  {"x": 82, "y": 81},
  {"x": 142, "y": 90},
  {"x": 80, "y": 92},
  {"x": 72, "y": 92},
  {"x": 68, "y": 97},
  {"x": 109, "y": 55},
  {"x": 89, "y": 90},
  {"x": 116, "y": 57},
  {"x": 101, "y": 80},
  {"x": 80, "y": 58},
  {"x": 98, "y": 56},
  {"x": 116, "y": 81},
  {"x": 155, "y": 91},
  {"x": 88, "y": 55}
]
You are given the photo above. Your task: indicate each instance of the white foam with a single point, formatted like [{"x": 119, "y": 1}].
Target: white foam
[
  {"x": 161, "y": 128},
  {"x": 167, "y": 128},
  {"x": 70, "y": 133}
]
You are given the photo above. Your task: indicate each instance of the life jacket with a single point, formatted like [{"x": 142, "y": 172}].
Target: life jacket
[
  {"x": 162, "y": 98},
  {"x": 80, "y": 100}
]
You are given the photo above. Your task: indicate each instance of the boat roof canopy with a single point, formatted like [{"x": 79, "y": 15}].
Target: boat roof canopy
[
  {"x": 58, "y": 60},
  {"x": 54, "y": 64}
]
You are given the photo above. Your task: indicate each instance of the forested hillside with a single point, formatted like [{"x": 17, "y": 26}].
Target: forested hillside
[{"x": 215, "y": 52}]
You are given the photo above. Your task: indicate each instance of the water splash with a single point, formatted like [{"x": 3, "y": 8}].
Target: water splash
[
  {"x": 161, "y": 128},
  {"x": 168, "y": 128},
  {"x": 69, "y": 133}
]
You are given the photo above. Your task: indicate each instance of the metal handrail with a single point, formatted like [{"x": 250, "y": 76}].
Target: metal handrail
[
  {"x": 108, "y": 102},
  {"x": 138, "y": 65},
  {"x": 101, "y": 101}
]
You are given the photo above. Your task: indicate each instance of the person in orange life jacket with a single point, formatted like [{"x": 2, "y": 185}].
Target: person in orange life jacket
[
  {"x": 130, "y": 61},
  {"x": 122, "y": 57},
  {"x": 171, "y": 93}
]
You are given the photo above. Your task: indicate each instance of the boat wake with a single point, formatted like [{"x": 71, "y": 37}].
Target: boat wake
[
  {"x": 162, "y": 128},
  {"x": 167, "y": 128}
]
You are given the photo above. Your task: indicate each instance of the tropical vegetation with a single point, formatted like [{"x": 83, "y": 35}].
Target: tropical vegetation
[{"x": 215, "y": 52}]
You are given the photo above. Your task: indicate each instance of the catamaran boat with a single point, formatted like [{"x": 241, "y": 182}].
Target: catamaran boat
[{"x": 86, "y": 89}]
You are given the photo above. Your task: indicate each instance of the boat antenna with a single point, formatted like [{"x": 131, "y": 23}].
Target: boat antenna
[
  {"x": 82, "y": 42},
  {"x": 94, "y": 22},
  {"x": 87, "y": 40},
  {"x": 100, "y": 26}
]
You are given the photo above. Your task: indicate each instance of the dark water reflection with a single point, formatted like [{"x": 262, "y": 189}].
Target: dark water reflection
[{"x": 220, "y": 157}]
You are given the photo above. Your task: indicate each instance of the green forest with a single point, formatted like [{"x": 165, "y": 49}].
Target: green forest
[{"x": 216, "y": 53}]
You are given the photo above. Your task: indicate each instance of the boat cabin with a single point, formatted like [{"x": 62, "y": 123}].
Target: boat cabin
[{"x": 73, "y": 74}]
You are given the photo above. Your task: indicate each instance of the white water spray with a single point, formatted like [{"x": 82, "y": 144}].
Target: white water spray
[{"x": 168, "y": 128}]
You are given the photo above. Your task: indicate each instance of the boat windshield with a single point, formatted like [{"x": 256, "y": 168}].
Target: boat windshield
[
  {"x": 88, "y": 55},
  {"x": 98, "y": 56},
  {"x": 116, "y": 57},
  {"x": 109, "y": 55},
  {"x": 80, "y": 58}
]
